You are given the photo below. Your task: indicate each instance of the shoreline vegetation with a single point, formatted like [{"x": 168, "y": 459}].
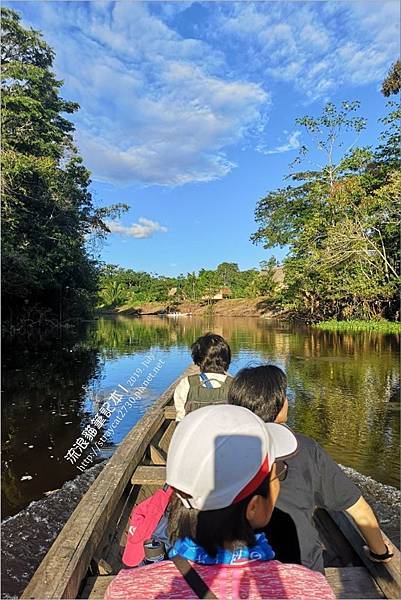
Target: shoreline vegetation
[
  {"x": 357, "y": 326},
  {"x": 261, "y": 307}
]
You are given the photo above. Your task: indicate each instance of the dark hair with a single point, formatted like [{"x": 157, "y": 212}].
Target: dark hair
[
  {"x": 211, "y": 353},
  {"x": 212, "y": 529},
  {"x": 260, "y": 389}
]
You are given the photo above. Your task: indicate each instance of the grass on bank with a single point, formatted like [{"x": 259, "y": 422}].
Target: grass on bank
[{"x": 356, "y": 326}]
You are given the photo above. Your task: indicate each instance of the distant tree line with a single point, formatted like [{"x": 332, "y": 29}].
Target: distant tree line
[
  {"x": 118, "y": 286},
  {"x": 340, "y": 218}
]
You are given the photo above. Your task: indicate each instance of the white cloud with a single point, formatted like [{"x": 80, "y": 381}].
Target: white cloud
[
  {"x": 316, "y": 46},
  {"x": 291, "y": 144},
  {"x": 143, "y": 229},
  {"x": 161, "y": 107},
  {"x": 154, "y": 108}
]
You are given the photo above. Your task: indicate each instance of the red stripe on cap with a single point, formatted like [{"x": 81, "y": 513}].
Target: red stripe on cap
[{"x": 255, "y": 481}]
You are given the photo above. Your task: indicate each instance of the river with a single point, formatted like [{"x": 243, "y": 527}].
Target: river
[{"x": 343, "y": 391}]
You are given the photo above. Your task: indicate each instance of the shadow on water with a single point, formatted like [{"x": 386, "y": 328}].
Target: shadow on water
[
  {"x": 42, "y": 415},
  {"x": 342, "y": 391}
]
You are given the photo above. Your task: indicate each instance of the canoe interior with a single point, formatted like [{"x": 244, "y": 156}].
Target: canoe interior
[{"x": 87, "y": 553}]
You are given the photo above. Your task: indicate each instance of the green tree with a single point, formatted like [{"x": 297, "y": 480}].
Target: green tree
[
  {"x": 47, "y": 209},
  {"x": 392, "y": 83},
  {"x": 209, "y": 283},
  {"x": 388, "y": 152},
  {"x": 266, "y": 283},
  {"x": 228, "y": 273},
  {"x": 191, "y": 287},
  {"x": 113, "y": 294},
  {"x": 338, "y": 220}
]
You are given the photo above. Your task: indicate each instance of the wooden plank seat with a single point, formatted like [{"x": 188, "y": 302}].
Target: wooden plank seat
[
  {"x": 95, "y": 587},
  {"x": 166, "y": 437},
  {"x": 157, "y": 456},
  {"x": 386, "y": 575},
  {"x": 151, "y": 475},
  {"x": 352, "y": 582},
  {"x": 170, "y": 413}
]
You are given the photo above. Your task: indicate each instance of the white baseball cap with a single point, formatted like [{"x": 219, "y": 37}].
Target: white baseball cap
[{"x": 220, "y": 454}]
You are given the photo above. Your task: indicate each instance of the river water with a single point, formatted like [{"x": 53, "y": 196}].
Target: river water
[{"x": 343, "y": 391}]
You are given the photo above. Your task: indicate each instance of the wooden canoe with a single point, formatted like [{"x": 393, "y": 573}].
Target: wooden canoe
[{"x": 87, "y": 553}]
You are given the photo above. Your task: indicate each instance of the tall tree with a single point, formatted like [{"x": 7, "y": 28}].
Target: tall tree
[
  {"x": 47, "y": 210},
  {"x": 228, "y": 273},
  {"x": 338, "y": 219}
]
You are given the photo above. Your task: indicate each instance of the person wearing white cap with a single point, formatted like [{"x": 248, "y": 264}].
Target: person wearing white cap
[{"x": 225, "y": 465}]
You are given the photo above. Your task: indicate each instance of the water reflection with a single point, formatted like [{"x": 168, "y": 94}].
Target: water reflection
[
  {"x": 343, "y": 390},
  {"x": 343, "y": 387},
  {"x": 42, "y": 415}
]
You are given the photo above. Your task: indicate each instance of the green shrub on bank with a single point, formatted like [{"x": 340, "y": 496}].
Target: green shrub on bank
[{"x": 377, "y": 326}]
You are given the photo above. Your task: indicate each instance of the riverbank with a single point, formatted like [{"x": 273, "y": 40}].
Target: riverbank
[
  {"x": 238, "y": 307},
  {"x": 248, "y": 307},
  {"x": 360, "y": 326}
]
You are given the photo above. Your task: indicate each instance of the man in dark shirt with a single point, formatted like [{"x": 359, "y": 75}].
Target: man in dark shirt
[{"x": 313, "y": 479}]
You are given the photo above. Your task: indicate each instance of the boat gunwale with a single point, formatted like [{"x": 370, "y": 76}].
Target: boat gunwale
[{"x": 62, "y": 570}]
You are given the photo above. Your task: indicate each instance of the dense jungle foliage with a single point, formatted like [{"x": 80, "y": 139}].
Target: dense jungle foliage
[
  {"x": 340, "y": 218},
  {"x": 48, "y": 274}
]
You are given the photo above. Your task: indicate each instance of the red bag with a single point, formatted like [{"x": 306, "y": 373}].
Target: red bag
[{"x": 143, "y": 521}]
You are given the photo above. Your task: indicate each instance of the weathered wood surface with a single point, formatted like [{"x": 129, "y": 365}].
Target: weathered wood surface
[
  {"x": 114, "y": 539},
  {"x": 95, "y": 587},
  {"x": 61, "y": 572},
  {"x": 170, "y": 413},
  {"x": 167, "y": 435},
  {"x": 388, "y": 575},
  {"x": 352, "y": 582},
  {"x": 153, "y": 475},
  {"x": 157, "y": 456}
]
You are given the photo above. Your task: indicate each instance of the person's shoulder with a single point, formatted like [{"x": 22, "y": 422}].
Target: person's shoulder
[
  {"x": 184, "y": 382},
  {"x": 309, "y": 446},
  {"x": 309, "y": 453},
  {"x": 307, "y": 449},
  {"x": 221, "y": 376},
  {"x": 142, "y": 582},
  {"x": 304, "y": 441}
]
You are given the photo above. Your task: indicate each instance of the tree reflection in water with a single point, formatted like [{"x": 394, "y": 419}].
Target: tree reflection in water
[{"x": 342, "y": 389}]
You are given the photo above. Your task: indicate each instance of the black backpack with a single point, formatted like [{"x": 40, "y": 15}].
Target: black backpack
[{"x": 201, "y": 393}]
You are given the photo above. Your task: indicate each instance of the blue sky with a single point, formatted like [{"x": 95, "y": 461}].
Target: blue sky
[{"x": 188, "y": 109}]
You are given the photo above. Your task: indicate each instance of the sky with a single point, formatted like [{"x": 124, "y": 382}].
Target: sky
[{"x": 187, "y": 109}]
